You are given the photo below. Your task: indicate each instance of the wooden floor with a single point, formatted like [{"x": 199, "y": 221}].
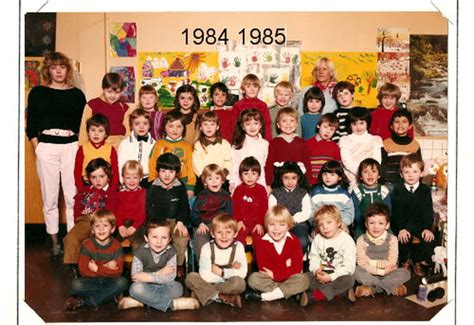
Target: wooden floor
[{"x": 47, "y": 285}]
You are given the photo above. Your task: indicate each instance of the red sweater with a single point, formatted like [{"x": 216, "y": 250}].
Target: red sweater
[
  {"x": 260, "y": 105},
  {"x": 91, "y": 250},
  {"x": 114, "y": 112},
  {"x": 91, "y": 199},
  {"x": 249, "y": 204},
  {"x": 380, "y": 124},
  {"x": 227, "y": 123},
  {"x": 131, "y": 206},
  {"x": 319, "y": 152},
  {"x": 267, "y": 257}
]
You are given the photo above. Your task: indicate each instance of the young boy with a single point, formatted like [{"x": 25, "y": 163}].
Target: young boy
[
  {"x": 219, "y": 96},
  {"x": 412, "y": 216},
  {"x": 166, "y": 199},
  {"x": 100, "y": 265},
  {"x": 279, "y": 259},
  {"x": 138, "y": 145},
  {"x": 332, "y": 257},
  {"x": 283, "y": 92},
  {"x": 250, "y": 88},
  {"x": 99, "y": 195},
  {"x": 377, "y": 256},
  {"x": 222, "y": 266},
  {"x": 249, "y": 201},
  {"x": 398, "y": 145},
  {"x": 97, "y": 132},
  {"x": 321, "y": 148},
  {"x": 313, "y": 104},
  {"x": 343, "y": 93}
]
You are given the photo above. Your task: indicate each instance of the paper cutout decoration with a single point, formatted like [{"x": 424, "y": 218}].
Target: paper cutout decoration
[
  {"x": 128, "y": 76},
  {"x": 390, "y": 39},
  {"x": 33, "y": 76},
  {"x": 395, "y": 68},
  {"x": 123, "y": 39}
]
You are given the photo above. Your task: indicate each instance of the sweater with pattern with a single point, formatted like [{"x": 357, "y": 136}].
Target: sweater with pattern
[
  {"x": 337, "y": 196},
  {"x": 394, "y": 149},
  {"x": 208, "y": 203},
  {"x": 100, "y": 254},
  {"x": 320, "y": 151}
]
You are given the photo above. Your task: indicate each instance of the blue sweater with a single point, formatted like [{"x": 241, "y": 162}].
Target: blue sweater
[
  {"x": 308, "y": 125},
  {"x": 338, "y": 196}
]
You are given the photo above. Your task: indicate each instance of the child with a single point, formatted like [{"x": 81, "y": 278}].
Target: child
[
  {"x": 412, "y": 216},
  {"x": 343, "y": 93},
  {"x": 367, "y": 192},
  {"x": 249, "y": 201},
  {"x": 332, "y": 258},
  {"x": 138, "y": 145},
  {"x": 250, "y": 88},
  {"x": 210, "y": 147},
  {"x": 359, "y": 144},
  {"x": 332, "y": 189},
  {"x": 98, "y": 195},
  {"x": 166, "y": 200},
  {"x": 377, "y": 256},
  {"x": 154, "y": 273},
  {"x": 148, "y": 100},
  {"x": 287, "y": 146},
  {"x": 222, "y": 266},
  {"x": 100, "y": 265},
  {"x": 398, "y": 145},
  {"x": 173, "y": 142},
  {"x": 130, "y": 210},
  {"x": 313, "y": 104},
  {"x": 219, "y": 96},
  {"x": 97, "y": 131},
  {"x": 290, "y": 190},
  {"x": 111, "y": 107},
  {"x": 248, "y": 141},
  {"x": 186, "y": 102},
  {"x": 388, "y": 96},
  {"x": 279, "y": 259},
  {"x": 283, "y": 93},
  {"x": 208, "y": 202},
  {"x": 321, "y": 148}
]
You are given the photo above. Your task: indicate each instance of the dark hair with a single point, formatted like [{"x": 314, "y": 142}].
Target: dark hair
[
  {"x": 313, "y": 93},
  {"x": 402, "y": 113},
  {"x": 172, "y": 116},
  {"x": 187, "y": 89},
  {"x": 168, "y": 161},
  {"x": 329, "y": 118},
  {"x": 340, "y": 86},
  {"x": 98, "y": 120},
  {"x": 96, "y": 164},
  {"x": 201, "y": 138},
  {"x": 289, "y": 167},
  {"x": 358, "y": 113},
  {"x": 410, "y": 159},
  {"x": 112, "y": 80},
  {"x": 369, "y": 162},
  {"x": 155, "y": 223},
  {"x": 334, "y": 166},
  {"x": 239, "y": 133},
  {"x": 377, "y": 208},
  {"x": 250, "y": 163},
  {"x": 219, "y": 86}
]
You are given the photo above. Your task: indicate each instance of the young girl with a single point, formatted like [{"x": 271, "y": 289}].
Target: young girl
[
  {"x": 248, "y": 141},
  {"x": 173, "y": 142},
  {"x": 313, "y": 104},
  {"x": 148, "y": 100},
  {"x": 332, "y": 189},
  {"x": 219, "y": 96},
  {"x": 154, "y": 273},
  {"x": 367, "y": 192},
  {"x": 359, "y": 144},
  {"x": 210, "y": 147},
  {"x": 187, "y": 102},
  {"x": 290, "y": 190}
]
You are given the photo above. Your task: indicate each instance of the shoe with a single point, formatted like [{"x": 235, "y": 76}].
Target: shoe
[
  {"x": 407, "y": 264},
  {"x": 418, "y": 270},
  {"x": 129, "y": 302},
  {"x": 363, "y": 291},
  {"x": 74, "y": 271},
  {"x": 185, "y": 303},
  {"x": 400, "y": 291},
  {"x": 231, "y": 300},
  {"x": 351, "y": 295},
  {"x": 74, "y": 302},
  {"x": 56, "y": 257},
  {"x": 252, "y": 295},
  {"x": 303, "y": 298}
]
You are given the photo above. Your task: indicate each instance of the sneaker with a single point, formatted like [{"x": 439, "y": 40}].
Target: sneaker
[
  {"x": 74, "y": 302},
  {"x": 185, "y": 303},
  {"x": 129, "y": 302},
  {"x": 304, "y": 299},
  {"x": 364, "y": 291},
  {"x": 231, "y": 300},
  {"x": 400, "y": 291},
  {"x": 418, "y": 270},
  {"x": 351, "y": 295}
]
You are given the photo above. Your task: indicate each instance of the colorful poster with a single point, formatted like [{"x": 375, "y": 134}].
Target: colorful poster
[
  {"x": 390, "y": 39},
  {"x": 33, "y": 75},
  {"x": 123, "y": 39},
  {"x": 128, "y": 76}
]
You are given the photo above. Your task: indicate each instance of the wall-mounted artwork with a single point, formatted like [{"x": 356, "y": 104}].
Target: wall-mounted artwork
[
  {"x": 40, "y": 34},
  {"x": 392, "y": 39},
  {"x": 123, "y": 39},
  {"x": 128, "y": 76},
  {"x": 33, "y": 75},
  {"x": 394, "y": 67}
]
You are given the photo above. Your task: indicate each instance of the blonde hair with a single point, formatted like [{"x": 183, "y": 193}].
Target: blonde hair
[
  {"x": 224, "y": 219},
  {"x": 284, "y": 85},
  {"x": 250, "y": 79},
  {"x": 210, "y": 169},
  {"x": 327, "y": 211},
  {"x": 287, "y": 111},
  {"x": 329, "y": 64},
  {"x": 278, "y": 213},
  {"x": 103, "y": 214},
  {"x": 132, "y": 165},
  {"x": 57, "y": 58}
]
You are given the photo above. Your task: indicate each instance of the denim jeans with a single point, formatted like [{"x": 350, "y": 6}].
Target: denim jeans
[
  {"x": 98, "y": 290},
  {"x": 156, "y": 295}
]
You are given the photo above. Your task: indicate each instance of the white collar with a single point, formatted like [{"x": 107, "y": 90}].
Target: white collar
[
  {"x": 271, "y": 240},
  {"x": 415, "y": 186}
]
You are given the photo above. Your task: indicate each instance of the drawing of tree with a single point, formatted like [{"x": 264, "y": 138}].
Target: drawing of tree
[{"x": 384, "y": 33}]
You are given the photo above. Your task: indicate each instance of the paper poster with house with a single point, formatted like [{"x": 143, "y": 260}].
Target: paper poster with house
[
  {"x": 394, "y": 67},
  {"x": 393, "y": 39}
]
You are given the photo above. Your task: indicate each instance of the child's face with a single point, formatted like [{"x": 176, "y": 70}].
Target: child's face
[
  {"x": 249, "y": 177},
  {"x": 58, "y": 73},
  {"x": 345, "y": 98},
  {"x": 223, "y": 235},
  {"x": 411, "y": 174},
  {"x": 166, "y": 176},
  {"x": 102, "y": 230},
  {"x": 140, "y": 126},
  {"x": 250, "y": 90},
  {"x": 400, "y": 126},
  {"x": 328, "y": 227},
  {"x": 370, "y": 176},
  {"x": 148, "y": 101},
  {"x": 330, "y": 179},
  {"x": 287, "y": 124},
  {"x": 326, "y": 130},
  {"x": 99, "y": 178},
  {"x": 214, "y": 182},
  {"x": 209, "y": 129},
  {"x": 96, "y": 134},
  {"x": 277, "y": 229},
  {"x": 174, "y": 130},
  {"x": 314, "y": 105},
  {"x": 359, "y": 127},
  {"x": 252, "y": 128},
  {"x": 219, "y": 98},
  {"x": 283, "y": 97},
  {"x": 376, "y": 225},
  {"x": 185, "y": 101},
  {"x": 158, "y": 238},
  {"x": 290, "y": 181},
  {"x": 388, "y": 101},
  {"x": 111, "y": 95},
  {"x": 131, "y": 179}
]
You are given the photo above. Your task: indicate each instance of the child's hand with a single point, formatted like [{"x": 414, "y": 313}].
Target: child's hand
[
  {"x": 190, "y": 193},
  {"x": 267, "y": 272},
  {"x": 92, "y": 266},
  {"x": 131, "y": 230},
  {"x": 427, "y": 235},
  {"x": 142, "y": 277},
  {"x": 236, "y": 265},
  {"x": 288, "y": 262},
  {"x": 390, "y": 268},
  {"x": 323, "y": 277},
  {"x": 167, "y": 270},
  {"x": 240, "y": 225},
  {"x": 123, "y": 231},
  {"x": 344, "y": 227},
  {"x": 182, "y": 230},
  {"x": 259, "y": 229},
  {"x": 217, "y": 270},
  {"x": 111, "y": 265},
  {"x": 202, "y": 229},
  {"x": 404, "y": 236}
]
